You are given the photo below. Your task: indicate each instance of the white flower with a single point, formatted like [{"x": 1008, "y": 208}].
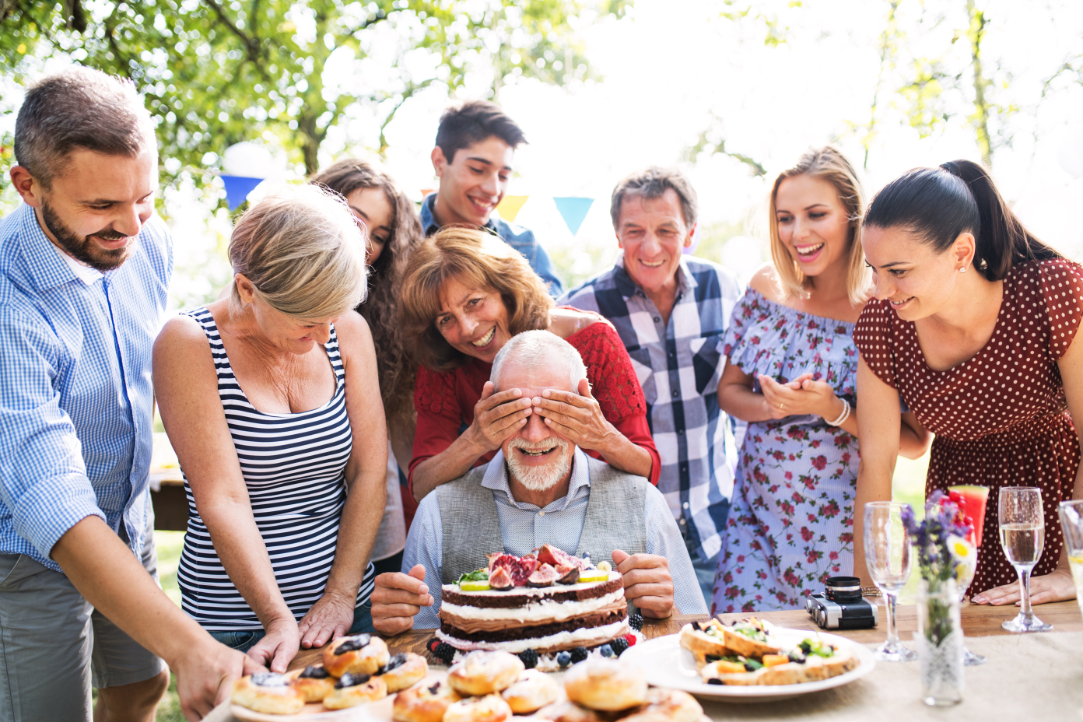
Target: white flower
[{"x": 962, "y": 551}]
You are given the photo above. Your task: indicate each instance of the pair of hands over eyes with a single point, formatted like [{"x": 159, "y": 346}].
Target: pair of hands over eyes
[{"x": 575, "y": 417}]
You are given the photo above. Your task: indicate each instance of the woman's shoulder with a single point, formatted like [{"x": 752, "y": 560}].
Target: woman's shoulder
[
  {"x": 566, "y": 322},
  {"x": 766, "y": 283},
  {"x": 183, "y": 331}
]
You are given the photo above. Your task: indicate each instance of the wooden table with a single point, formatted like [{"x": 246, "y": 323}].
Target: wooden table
[{"x": 978, "y": 621}]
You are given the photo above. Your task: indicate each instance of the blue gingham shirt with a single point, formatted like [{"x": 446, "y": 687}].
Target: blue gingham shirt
[
  {"x": 76, "y": 404},
  {"x": 519, "y": 238},
  {"x": 525, "y": 527},
  {"x": 679, "y": 365}
]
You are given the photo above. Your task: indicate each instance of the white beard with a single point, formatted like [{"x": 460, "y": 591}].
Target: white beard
[{"x": 541, "y": 478}]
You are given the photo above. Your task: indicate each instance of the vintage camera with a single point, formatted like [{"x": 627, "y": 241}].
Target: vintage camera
[{"x": 841, "y": 606}]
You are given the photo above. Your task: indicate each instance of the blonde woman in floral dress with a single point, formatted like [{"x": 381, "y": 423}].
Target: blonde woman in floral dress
[{"x": 791, "y": 375}]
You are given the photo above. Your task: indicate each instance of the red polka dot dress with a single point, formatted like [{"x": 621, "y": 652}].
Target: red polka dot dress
[{"x": 1000, "y": 418}]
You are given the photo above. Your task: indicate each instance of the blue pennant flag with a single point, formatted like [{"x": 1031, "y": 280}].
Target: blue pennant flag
[
  {"x": 573, "y": 210},
  {"x": 238, "y": 187}
]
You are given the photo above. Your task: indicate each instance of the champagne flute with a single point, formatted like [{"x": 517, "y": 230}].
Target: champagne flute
[
  {"x": 1071, "y": 520},
  {"x": 1022, "y": 535},
  {"x": 888, "y": 558}
]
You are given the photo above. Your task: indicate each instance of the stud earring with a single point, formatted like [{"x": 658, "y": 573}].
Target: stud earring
[{"x": 962, "y": 270}]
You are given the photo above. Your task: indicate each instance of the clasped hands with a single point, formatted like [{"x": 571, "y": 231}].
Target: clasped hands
[
  {"x": 799, "y": 397},
  {"x": 575, "y": 417},
  {"x": 398, "y": 597}
]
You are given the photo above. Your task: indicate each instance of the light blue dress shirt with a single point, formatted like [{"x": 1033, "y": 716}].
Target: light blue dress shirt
[
  {"x": 76, "y": 403},
  {"x": 525, "y": 527}
]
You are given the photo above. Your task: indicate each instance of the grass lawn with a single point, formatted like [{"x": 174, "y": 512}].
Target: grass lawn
[{"x": 909, "y": 486}]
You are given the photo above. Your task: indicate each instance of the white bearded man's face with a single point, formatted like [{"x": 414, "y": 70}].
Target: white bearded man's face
[{"x": 537, "y": 457}]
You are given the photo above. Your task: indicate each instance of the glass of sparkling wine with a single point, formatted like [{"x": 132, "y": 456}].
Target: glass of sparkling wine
[
  {"x": 1022, "y": 535},
  {"x": 1071, "y": 520},
  {"x": 889, "y": 560}
]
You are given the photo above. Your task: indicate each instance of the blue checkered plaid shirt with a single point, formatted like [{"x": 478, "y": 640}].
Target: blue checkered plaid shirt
[
  {"x": 679, "y": 366},
  {"x": 76, "y": 404}
]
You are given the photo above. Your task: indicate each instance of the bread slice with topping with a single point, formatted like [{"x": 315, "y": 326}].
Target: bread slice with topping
[{"x": 811, "y": 661}]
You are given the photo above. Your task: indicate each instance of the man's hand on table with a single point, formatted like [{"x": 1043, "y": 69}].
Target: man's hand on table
[
  {"x": 647, "y": 583},
  {"x": 205, "y": 677},
  {"x": 397, "y": 598},
  {"x": 1054, "y": 587}
]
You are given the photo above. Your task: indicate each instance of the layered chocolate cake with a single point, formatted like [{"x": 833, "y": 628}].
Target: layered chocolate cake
[{"x": 547, "y": 603}]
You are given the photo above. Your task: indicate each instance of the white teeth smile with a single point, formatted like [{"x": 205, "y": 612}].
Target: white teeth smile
[
  {"x": 536, "y": 452},
  {"x": 485, "y": 340},
  {"x": 809, "y": 250},
  {"x": 896, "y": 304},
  {"x": 656, "y": 264}
]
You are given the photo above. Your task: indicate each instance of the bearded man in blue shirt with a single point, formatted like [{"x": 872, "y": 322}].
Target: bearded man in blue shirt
[{"x": 84, "y": 269}]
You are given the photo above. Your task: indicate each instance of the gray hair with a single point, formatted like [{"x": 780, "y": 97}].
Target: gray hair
[
  {"x": 535, "y": 349},
  {"x": 653, "y": 183},
  {"x": 79, "y": 108},
  {"x": 304, "y": 253}
]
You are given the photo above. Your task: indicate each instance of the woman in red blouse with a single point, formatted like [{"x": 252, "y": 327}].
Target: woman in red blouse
[{"x": 464, "y": 294}]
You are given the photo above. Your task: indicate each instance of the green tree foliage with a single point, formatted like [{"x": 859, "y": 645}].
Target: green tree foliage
[{"x": 215, "y": 72}]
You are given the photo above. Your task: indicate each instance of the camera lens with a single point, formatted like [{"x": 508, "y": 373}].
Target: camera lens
[{"x": 843, "y": 589}]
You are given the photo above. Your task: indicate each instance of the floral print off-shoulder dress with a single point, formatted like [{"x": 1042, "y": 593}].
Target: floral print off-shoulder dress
[{"x": 791, "y": 520}]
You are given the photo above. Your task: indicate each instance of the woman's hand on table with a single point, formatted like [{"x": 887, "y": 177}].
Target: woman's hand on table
[
  {"x": 497, "y": 416},
  {"x": 328, "y": 619},
  {"x": 647, "y": 583},
  {"x": 205, "y": 677},
  {"x": 576, "y": 417},
  {"x": 1056, "y": 586},
  {"x": 279, "y": 646},
  {"x": 397, "y": 598}
]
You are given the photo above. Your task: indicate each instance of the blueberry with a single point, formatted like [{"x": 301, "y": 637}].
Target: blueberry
[
  {"x": 714, "y": 680},
  {"x": 445, "y": 653},
  {"x": 529, "y": 658},
  {"x": 579, "y": 654},
  {"x": 564, "y": 659},
  {"x": 619, "y": 645},
  {"x": 636, "y": 622},
  {"x": 606, "y": 651}
]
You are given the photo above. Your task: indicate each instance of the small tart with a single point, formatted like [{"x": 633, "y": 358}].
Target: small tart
[
  {"x": 606, "y": 685},
  {"x": 352, "y": 690},
  {"x": 481, "y": 673},
  {"x": 490, "y": 708},
  {"x": 314, "y": 682},
  {"x": 403, "y": 670},
  {"x": 426, "y": 702},
  {"x": 667, "y": 705},
  {"x": 532, "y": 691},
  {"x": 357, "y": 654},
  {"x": 268, "y": 693}
]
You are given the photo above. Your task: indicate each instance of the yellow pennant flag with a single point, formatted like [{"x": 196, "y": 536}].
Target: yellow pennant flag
[{"x": 509, "y": 207}]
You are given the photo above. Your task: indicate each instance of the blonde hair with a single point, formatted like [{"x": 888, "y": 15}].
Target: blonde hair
[
  {"x": 477, "y": 259},
  {"x": 303, "y": 252},
  {"x": 830, "y": 164}
]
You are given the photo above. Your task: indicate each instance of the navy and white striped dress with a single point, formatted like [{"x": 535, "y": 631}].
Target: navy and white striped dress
[{"x": 293, "y": 467}]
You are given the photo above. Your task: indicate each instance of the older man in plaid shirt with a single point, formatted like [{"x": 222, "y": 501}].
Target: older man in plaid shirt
[{"x": 671, "y": 311}]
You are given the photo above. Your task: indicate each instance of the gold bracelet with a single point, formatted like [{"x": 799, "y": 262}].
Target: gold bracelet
[{"x": 870, "y": 592}]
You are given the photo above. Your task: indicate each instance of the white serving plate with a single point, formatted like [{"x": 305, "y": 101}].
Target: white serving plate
[{"x": 667, "y": 664}]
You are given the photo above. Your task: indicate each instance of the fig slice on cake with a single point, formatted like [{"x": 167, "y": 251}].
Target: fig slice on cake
[
  {"x": 543, "y": 576},
  {"x": 499, "y": 578}
]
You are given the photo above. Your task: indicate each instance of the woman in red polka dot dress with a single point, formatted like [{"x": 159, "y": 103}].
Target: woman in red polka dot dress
[{"x": 972, "y": 324}]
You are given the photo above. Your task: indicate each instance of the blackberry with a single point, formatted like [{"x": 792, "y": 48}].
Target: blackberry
[
  {"x": 529, "y": 658},
  {"x": 564, "y": 659},
  {"x": 636, "y": 622},
  {"x": 619, "y": 645},
  {"x": 432, "y": 645},
  {"x": 444, "y": 652},
  {"x": 579, "y": 654},
  {"x": 606, "y": 650}
]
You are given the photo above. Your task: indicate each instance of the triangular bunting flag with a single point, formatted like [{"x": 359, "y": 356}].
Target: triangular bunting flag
[
  {"x": 573, "y": 210},
  {"x": 509, "y": 207},
  {"x": 238, "y": 187}
]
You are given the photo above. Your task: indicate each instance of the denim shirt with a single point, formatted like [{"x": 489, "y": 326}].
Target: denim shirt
[{"x": 519, "y": 238}]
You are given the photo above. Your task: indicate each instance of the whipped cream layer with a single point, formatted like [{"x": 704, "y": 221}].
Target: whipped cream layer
[
  {"x": 544, "y": 610},
  {"x": 552, "y": 643}
]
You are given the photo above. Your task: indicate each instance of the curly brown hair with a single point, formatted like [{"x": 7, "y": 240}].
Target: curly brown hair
[
  {"x": 397, "y": 369},
  {"x": 477, "y": 259}
]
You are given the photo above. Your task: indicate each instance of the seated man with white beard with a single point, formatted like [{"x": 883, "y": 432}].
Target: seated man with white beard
[{"x": 538, "y": 490}]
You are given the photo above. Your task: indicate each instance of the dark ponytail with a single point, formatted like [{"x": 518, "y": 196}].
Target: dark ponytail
[{"x": 938, "y": 204}]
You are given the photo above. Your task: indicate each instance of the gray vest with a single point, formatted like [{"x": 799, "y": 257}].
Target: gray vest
[{"x": 616, "y": 519}]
